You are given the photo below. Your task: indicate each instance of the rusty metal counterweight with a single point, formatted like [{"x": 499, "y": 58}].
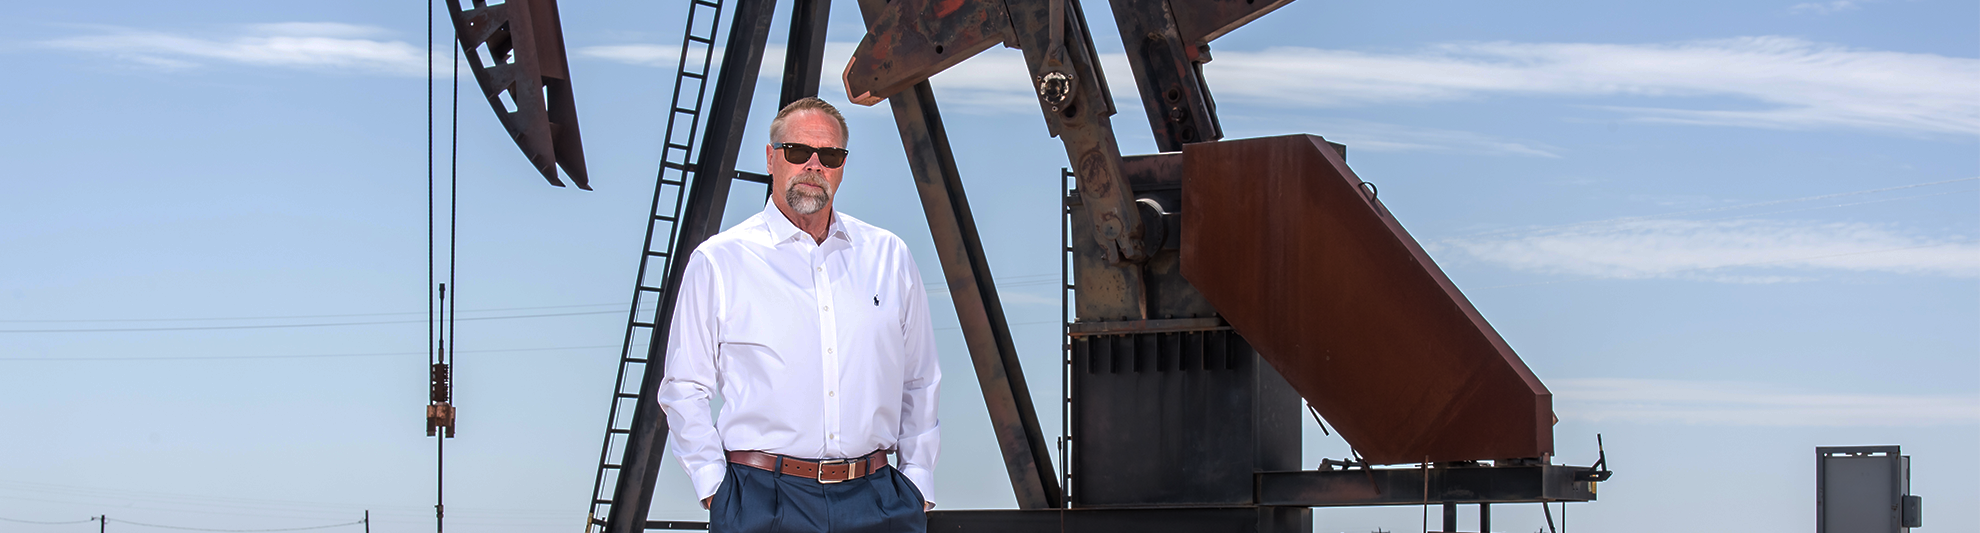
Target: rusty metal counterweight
[{"x": 1282, "y": 238}]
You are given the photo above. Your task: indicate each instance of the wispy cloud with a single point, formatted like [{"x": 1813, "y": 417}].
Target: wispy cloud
[
  {"x": 1798, "y": 84},
  {"x": 1752, "y": 404},
  {"x": 1772, "y": 82},
  {"x": 1732, "y": 248},
  {"x": 1371, "y": 136},
  {"x": 1824, "y": 8},
  {"x": 322, "y": 46},
  {"x": 1746, "y": 251}
]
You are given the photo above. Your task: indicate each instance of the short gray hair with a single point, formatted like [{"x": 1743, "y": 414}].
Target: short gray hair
[{"x": 808, "y": 103}]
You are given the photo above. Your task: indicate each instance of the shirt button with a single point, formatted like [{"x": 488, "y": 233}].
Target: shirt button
[
  {"x": 828, "y": 308},
  {"x": 834, "y": 436},
  {"x": 828, "y": 350},
  {"x": 832, "y": 393},
  {"x": 821, "y": 269}
]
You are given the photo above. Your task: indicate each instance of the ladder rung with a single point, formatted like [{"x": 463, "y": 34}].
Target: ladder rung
[
  {"x": 684, "y": 167},
  {"x": 677, "y": 146},
  {"x": 609, "y": 466},
  {"x": 707, "y": 3},
  {"x": 601, "y": 501},
  {"x": 649, "y": 289},
  {"x": 597, "y": 521},
  {"x": 677, "y": 183},
  {"x": 686, "y": 111},
  {"x": 651, "y": 253},
  {"x": 700, "y": 40},
  {"x": 619, "y": 431},
  {"x": 695, "y": 75},
  {"x": 625, "y": 395},
  {"x": 640, "y": 360},
  {"x": 638, "y": 324},
  {"x": 662, "y": 217}
]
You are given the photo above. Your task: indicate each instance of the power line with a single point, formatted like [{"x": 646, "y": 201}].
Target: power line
[
  {"x": 276, "y": 317},
  {"x": 38, "y": 522},
  {"x": 278, "y": 326},
  {"x": 306, "y": 356},
  {"x": 120, "y": 520}
]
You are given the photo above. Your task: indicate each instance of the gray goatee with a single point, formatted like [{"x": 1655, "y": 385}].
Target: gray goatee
[{"x": 807, "y": 203}]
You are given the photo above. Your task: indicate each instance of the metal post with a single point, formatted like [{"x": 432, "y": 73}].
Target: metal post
[
  {"x": 707, "y": 195},
  {"x": 367, "y": 521},
  {"x": 967, "y": 270},
  {"x": 439, "y": 484},
  {"x": 804, "y": 49},
  {"x": 1450, "y": 517},
  {"x": 101, "y": 521},
  {"x": 1484, "y": 518}
]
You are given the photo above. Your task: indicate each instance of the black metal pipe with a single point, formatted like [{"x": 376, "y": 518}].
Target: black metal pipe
[
  {"x": 1450, "y": 517},
  {"x": 707, "y": 195}
]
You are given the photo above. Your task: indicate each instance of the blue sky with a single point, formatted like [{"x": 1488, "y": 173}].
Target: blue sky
[{"x": 1723, "y": 233}]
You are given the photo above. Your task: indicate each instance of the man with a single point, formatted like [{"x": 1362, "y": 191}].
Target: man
[{"x": 813, "y": 326}]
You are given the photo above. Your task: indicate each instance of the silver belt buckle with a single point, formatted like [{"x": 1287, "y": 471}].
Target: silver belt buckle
[{"x": 821, "y": 470}]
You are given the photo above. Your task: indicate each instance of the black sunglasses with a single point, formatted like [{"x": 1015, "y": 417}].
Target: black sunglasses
[{"x": 798, "y": 154}]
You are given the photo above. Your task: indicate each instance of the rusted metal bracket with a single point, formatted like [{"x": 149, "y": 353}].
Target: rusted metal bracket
[{"x": 516, "y": 51}]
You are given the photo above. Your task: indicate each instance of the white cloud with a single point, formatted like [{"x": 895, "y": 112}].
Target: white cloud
[
  {"x": 1370, "y": 136},
  {"x": 1752, "y": 404},
  {"x": 301, "y": 45},
  {"x": 1800, "y": 84},
  {"x": 1775, "y": 82},
  {"x": 646, "y": 55},
  {"x": 994, "y": 81},
  {"x": 1824, "y": 8},
  {"x": 1747, "y": 251}
]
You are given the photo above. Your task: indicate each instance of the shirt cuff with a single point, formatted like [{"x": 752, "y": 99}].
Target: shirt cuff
[
  {"x": 924, "y": 481},
  {"x": 708, "y": 478}
]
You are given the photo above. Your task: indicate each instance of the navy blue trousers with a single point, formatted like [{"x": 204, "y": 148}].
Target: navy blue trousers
[{"x": 753, "y": 500}]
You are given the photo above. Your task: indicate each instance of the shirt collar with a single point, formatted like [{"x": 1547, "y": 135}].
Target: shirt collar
[{"x": 782, "y": 230}]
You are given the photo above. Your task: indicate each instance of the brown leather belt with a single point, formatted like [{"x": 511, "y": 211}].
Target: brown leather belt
[{"x": 828, "y": 471}]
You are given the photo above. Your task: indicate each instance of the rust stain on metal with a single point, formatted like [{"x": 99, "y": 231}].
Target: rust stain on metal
[
  {"x": 1340, "y": 299},
  {"x": 910, "y": 40}
]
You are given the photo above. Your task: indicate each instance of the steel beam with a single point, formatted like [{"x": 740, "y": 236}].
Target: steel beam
[
  {"x": 967, "y": 271},
  {"x": 702, "y": 218},
  {"x": 804, "y": 50},
  {"x": 1171, "y": 520},
  {"x": 1168, "y": 73},
  {"x": 1356, "y": 487}
]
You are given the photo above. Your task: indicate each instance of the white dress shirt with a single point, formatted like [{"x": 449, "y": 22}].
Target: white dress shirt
[{"x": 818, "y": 350}]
